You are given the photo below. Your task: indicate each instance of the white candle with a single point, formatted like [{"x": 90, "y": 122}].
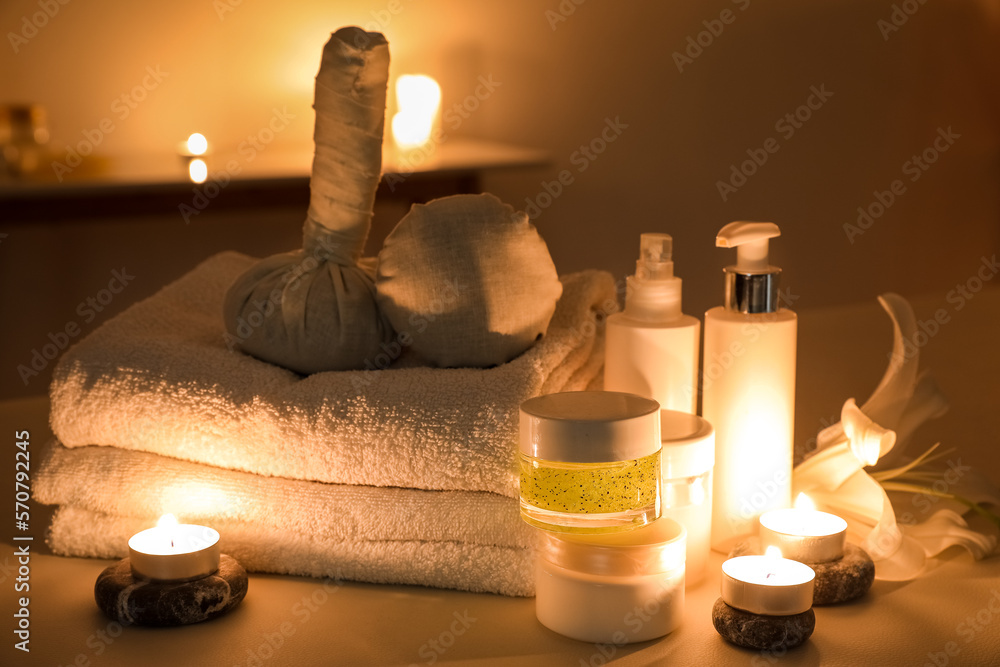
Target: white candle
[
  {"x": 174, "y": 552},
  {"x": 767, "y": 584},
  {"x": 803, "y": 533}
]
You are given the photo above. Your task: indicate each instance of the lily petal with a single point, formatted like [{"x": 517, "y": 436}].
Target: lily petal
[
  {"x": 946, "y": 528},
  {"x": 906, "y": 564},
  {"x": 927, "y": 402},
  {"x": 888, "y": 402},
  {"x": 869, "y": 441},
  {"x": 826, "y": 469}
]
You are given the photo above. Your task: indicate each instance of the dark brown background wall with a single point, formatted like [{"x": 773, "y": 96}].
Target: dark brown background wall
[{"x": 562, "y": 77}]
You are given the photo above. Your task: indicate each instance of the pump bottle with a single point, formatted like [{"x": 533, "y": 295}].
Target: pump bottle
[
  {"x": 748, "y": 385},
  {"x": 652, "y": 347}
]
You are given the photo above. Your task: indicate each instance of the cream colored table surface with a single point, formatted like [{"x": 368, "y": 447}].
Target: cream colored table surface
[{"x": 295, "y": 621}]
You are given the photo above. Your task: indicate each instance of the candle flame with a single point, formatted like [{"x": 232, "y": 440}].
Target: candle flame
[
  {"x": 804, "y": 502},
  {"x": 197, "y": 144},
  {"x": 773, "y": 552},
  {"x": 168, "y": 522}
]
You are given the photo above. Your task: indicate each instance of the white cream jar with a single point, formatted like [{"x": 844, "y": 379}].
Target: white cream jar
[{"x": 614, "y": 588}]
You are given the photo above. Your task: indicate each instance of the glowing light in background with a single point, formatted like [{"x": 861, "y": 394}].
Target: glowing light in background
[
  {"x": 198, "y": 170},
  {"x": 197, "y": 144},
  {"x": 419, "y": 99},
  {"x": 196, "y": 500}
]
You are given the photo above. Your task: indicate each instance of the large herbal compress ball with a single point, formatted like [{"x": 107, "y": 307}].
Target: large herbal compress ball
[
  {"x": 314, "y": 309},
  {"x": 468, "y": 280}
]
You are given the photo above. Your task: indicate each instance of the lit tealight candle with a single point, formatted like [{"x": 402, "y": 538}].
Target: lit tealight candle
[
  {"x": 768, "y": 584},
  {"x": 804, "y": 533},
  {"x": 174, "y": 552}
]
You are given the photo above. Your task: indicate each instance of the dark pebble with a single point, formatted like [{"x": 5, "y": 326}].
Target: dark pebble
[
  {"x": 132, "y": 601},
  {"x": 843, "y": 580},
  {"x": 761, "y": 632}
]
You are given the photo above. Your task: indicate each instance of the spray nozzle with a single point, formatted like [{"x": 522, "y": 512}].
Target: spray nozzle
[
  {"x": 653, "y": 294},
  {"x": 654, "y": 263},
  {"x": 750, "y": 241}
]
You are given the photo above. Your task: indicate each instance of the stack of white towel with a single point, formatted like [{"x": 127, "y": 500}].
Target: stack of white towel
[{"x": 403, "y": 475}]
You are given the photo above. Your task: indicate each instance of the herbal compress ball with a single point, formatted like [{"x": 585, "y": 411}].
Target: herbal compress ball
[
  {"x": 314, "y": 309},
  {"x": 468, "y": 280}
]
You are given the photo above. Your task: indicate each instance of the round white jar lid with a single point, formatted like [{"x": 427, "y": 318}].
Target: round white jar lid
[{"x": 590, "y": 427}]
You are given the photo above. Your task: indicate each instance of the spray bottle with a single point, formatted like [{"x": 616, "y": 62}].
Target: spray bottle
[{"x": 652, "y": 347}]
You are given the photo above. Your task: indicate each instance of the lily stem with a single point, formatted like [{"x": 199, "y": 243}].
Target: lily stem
[{"x": 924, "y": 490}]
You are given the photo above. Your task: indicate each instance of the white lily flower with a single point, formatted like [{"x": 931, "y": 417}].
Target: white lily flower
[{"x": 875, "y": 436}]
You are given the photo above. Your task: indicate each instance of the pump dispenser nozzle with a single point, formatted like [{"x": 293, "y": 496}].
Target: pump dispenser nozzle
[
  {"x": 750, "y": 241},
  {"x": 752, "y": 284},
  {"x": 654, "y": 293}
]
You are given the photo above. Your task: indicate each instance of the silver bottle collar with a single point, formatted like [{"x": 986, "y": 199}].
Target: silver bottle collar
[{"x": 752, "y": 292}]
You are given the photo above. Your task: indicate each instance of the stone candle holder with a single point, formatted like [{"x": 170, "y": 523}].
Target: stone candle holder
[
  {"x": 841, "y": 580},
  {"x": 132, "y": 600},
  {"x": 766, "y": 602},
  {"x": 762, "y": 631}
]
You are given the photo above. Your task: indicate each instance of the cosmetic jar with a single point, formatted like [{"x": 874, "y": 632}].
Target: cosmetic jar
[
  {"x": 590, "y": 461},
  {"x": 686, "y": 463},
  {"x": 614, "y": 588}
]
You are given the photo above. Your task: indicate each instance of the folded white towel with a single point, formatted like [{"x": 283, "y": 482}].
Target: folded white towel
[
  {"x": 469, "y": 567},
  {"x": 115, "y": 481},
  {"x": 160, "y": 378}
]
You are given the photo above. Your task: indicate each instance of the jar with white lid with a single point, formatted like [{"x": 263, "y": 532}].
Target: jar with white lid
[
  {"x": 614, "y": 588},
  {"x": 590, "y": 461},
  {"x": 686, "y": 463}
]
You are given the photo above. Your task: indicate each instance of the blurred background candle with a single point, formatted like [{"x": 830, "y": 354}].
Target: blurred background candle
[
  {"x": 193, "y": 151},
  {"x": 803, "y": 533},
  {"x": 174, "y": 552},
  {"x": 23, "y": 137},
  {"x": 418, "y": 98},
  {"x": 768, "y": 584},
  {"x": 197, "y": 144},
  {"x": 197, "y": 170}
]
